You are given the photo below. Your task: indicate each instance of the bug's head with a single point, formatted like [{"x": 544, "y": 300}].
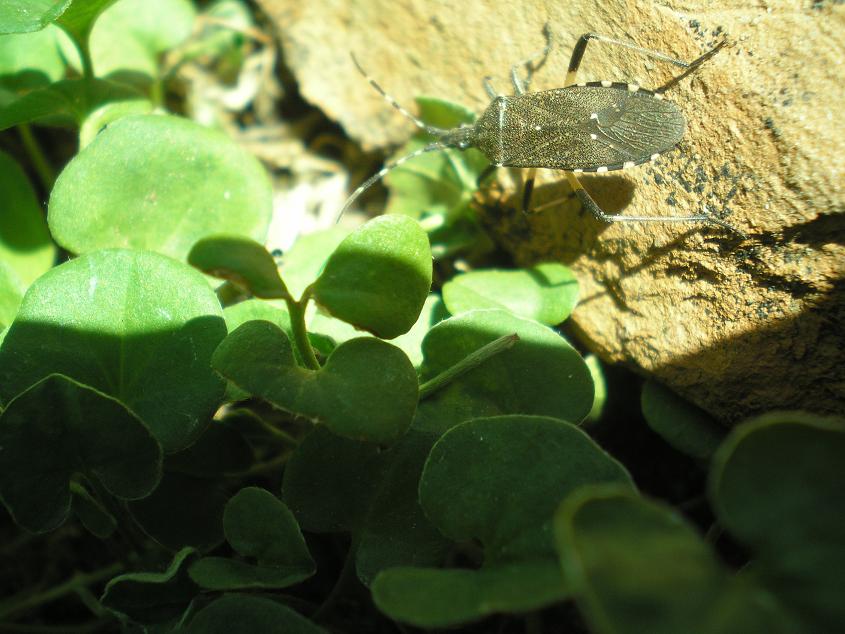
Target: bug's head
[{"x": 461, "y": 138}]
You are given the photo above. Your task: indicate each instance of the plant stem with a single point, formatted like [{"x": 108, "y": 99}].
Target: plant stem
[
  {"x": 300, "y": 333},
  {"x": 20, "y": 603},
  {"x": 39, "y": 162},
  {"x": 470, "y": 362}
]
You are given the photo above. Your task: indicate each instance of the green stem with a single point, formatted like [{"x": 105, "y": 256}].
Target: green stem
[
  {"x": 300, "y": 333},
  {"x": 346, "y": 576},
  {"x": 21, "y": 603},
  {"x": 39, "y": 161},
  {"x": 470, "y": 362}
]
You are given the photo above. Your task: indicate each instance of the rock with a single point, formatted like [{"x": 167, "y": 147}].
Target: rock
[{"x": 736, "y": 325}]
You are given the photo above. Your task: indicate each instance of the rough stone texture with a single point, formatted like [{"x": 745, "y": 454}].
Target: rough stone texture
[{"x": 736, "y": 325}]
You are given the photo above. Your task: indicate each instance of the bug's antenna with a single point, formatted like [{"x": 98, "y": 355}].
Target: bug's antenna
[
  {"x": 431, "y": 147},
  {"x": 432, "y": 130}
]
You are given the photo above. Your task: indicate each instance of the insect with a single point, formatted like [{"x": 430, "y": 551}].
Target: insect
[{"x": 596, "y": 127}]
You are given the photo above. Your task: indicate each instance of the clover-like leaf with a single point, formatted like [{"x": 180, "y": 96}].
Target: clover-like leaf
[
  {"x": 636, "y": 566},
  {"x": 58, "y": 428},
  {"x": 24, "y": 16},
  {"x": 258, "y": 526},
  {"x": 778, "y": 485},
  {"x": 541, "y": 374},
  {"x": 239, "y": 260},
  {"x": 135, "y": 325},
  {"x": 153, "y": 597},
  {"x": 132, "y": 34},
  {"x": 495, "y": 481},
  {"x": 25, "y": 243},
  {"x": 438, "y": 182},
  {"x": 160, "y": 183},
  {"x": 31, "y": 60},
  {"x": 66, "y": 103},
  {"x": 244, "y": 614},
  {"x": 378, "y": 277},
  {"x": 335, "y": 484},
  {"x": 367, "y": 389},
  {"x": 546, "y": 292},
  {"x": 687, "y": 428}
]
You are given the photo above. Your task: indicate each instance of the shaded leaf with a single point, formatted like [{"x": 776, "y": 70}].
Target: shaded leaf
[
  {"x": 687, "y": 428},
  {"x": 242, "y": 614},
  {"x": 59, "y": 427},
  {"x": 112, "y": 320},
  {"x": 495, "y": 481},
  {"x": 258, "y": 526},
  {"x": 239, "y": 260}
]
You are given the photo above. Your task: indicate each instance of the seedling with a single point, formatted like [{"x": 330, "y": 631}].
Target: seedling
[{"x": 598, "y": 127}]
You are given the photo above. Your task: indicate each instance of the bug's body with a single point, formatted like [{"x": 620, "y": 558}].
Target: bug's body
[{"x": 591, "y": 128}]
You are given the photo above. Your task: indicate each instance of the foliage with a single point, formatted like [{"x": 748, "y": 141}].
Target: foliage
[{"x": 360, "y": 444}]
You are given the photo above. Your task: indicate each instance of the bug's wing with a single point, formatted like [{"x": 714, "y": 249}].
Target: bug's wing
[{"x": 588, "y": 128}]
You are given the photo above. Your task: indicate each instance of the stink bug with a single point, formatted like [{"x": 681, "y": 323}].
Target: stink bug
[{"x": 584, "y": 127}]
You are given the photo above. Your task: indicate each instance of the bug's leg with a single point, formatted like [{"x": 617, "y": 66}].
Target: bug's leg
[
  {"x": 532, "y": 64},
  {"x": 484, "y": 174},
  {"x": 693, "y": 66},
  {"x": 581, "y": 47},
  {"x": 528, "y": 190},
  {"x": 590, "y": 205}
]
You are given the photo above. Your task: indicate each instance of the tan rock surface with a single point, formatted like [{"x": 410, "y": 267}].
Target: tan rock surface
[{"x": 737, "y": 326}]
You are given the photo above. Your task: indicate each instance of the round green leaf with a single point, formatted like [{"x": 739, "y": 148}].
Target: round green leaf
[
  {"x": 135, "y": 325},
  {"x": 25, "y": 243},
  {"x": 778, "y": 485},
  {"x": 160, "y": 183},
  {"x": 687, "y": 428},
  {"x": 259, "y": 526},
  {"x": 541, "y": 374},
  {"x": 23, "y": 16},
  {"x": 546, "y": 293},
  {"x": 58, "y": 428},
  {"x": 637, "y": 566},
  {"x": 378, "y": 278},
  {"x": 242, "y": 614},
  {"x": 496, "y": 481},
  {"x": 367, "y": 389},
  {"x": 91, "y": 514},
  {"x": 79, "y": 18},
  {"x": 131, "y": 35},
  {"x": 153, "y": 597},
  {"x": 239, "y": 260}
]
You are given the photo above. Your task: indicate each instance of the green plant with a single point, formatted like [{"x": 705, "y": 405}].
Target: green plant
[{"x": 348, "y": 448}]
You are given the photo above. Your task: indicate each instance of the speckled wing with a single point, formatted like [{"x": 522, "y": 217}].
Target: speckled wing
[{"x": 581, "y": 128}]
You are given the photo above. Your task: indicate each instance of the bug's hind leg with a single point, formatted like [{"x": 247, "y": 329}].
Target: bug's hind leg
[
  {"x": 693, "y": 66},
  {"x": 590, "y": 205},
  {"x": 581, "y": 47}
]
